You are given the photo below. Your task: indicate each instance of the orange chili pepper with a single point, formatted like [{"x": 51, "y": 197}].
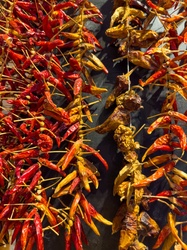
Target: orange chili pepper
[
  {"x": 163, "y": 120},
  {"x": 74, "y": 204},
  {"x": 157, "y": 174}
]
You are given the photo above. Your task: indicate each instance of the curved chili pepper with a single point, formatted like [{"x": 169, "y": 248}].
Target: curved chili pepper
[
  {"x": 51, "y": 165},
  {"x": 162, "y": 140},
  {"x": 67, "y": 158},
  {"x": 164, "y": 120},
  {"x": 74, "y": 127},
  {"x": 95, "y": 153},
  {"x": 156, "y": 175},
  {"x": 45, "y": 142},
  {"x": 156, "y": 76},
  {"x": 179, "y": 132}
]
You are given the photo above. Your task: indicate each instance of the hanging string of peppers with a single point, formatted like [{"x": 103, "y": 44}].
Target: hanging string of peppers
[
  {"x": 47, "y": 54},
  {"x": 162, "y": 53}
]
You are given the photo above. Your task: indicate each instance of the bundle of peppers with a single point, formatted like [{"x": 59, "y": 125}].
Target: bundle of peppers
[
  {"x": 158, "y": 52},
  {"x": 47, "y": 54}
]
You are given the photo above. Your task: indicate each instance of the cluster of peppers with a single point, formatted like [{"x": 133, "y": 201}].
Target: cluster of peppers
[
  {"x": 47, "y": 54},
  {"x": 159, "y": 52}
]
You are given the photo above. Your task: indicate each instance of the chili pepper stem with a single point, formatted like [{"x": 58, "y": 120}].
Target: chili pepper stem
[{"x": 28, "y": 119}]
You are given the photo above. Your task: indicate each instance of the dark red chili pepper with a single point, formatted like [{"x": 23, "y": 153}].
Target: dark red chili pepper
[
  {"x": 163, "y": 193},
  {"x": 6, "y": 211},
  {"x": 34, "y": 181},
  {"x": 26, "y": 176},
  {"x": 60, "y": 86},
  {"x": 76, "y": 238},
  {"x": 2, "y": 180},
  {"x": 23, "y": 16},
  {"x": 26, "y": 5},
  {"x": 38, "y": 226},
  {"x": 19, "y": 165},
  {"x": 74, "y": 184},
  {"x": 70, "y": 130},
  {"x": 75, "y": 65},
  {"x": 17, "y": 230},
  {"x": 162, "y": 236}
]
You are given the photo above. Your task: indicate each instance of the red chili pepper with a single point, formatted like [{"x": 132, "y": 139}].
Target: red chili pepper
[
  {"x": 75, "y": 64},
  {"x": 31, "y": 242},
  {"x": 2, "y": 180},
  {"x": 157, "y": 75},
  {"x": 74, "y": 184},
  {"x": 51, "y": 165},
  {"x": 60, "y": 86},
  {"x": 30, "y": 153},
  {"x": 85, "y": 205},
  {"x": 17, "y": 230},
  {"x": 13, "y": 128},
  {"x": 95, "y": 153},
  {"x": 179, "y": 132},
  {"x": 50, "y": 216},
  {"x": 163, "y": 120},
  {"x": 163, "y": 193},
  {"x": 45, "y": 143},
  {"x": 23, "y": 16},
  {"x": 162, "y": 140},
  {"x": 65, "y": 5},
  {"x": 39, "y": 236},
  {"x": 67, "y": 235},
  {"x": 70, "y": 130},
  {"x": 19, "y": 165},
  {"x": 34, "y": 181},
  {"x": 162, "y": 236},
  {"x": 25, "y": 228},
  {"x": 77, "y": 87},
  {"x": 76, "y": 235},
  {"x": 26, "y": 5},
  {"x": 155, "y": 7}
]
